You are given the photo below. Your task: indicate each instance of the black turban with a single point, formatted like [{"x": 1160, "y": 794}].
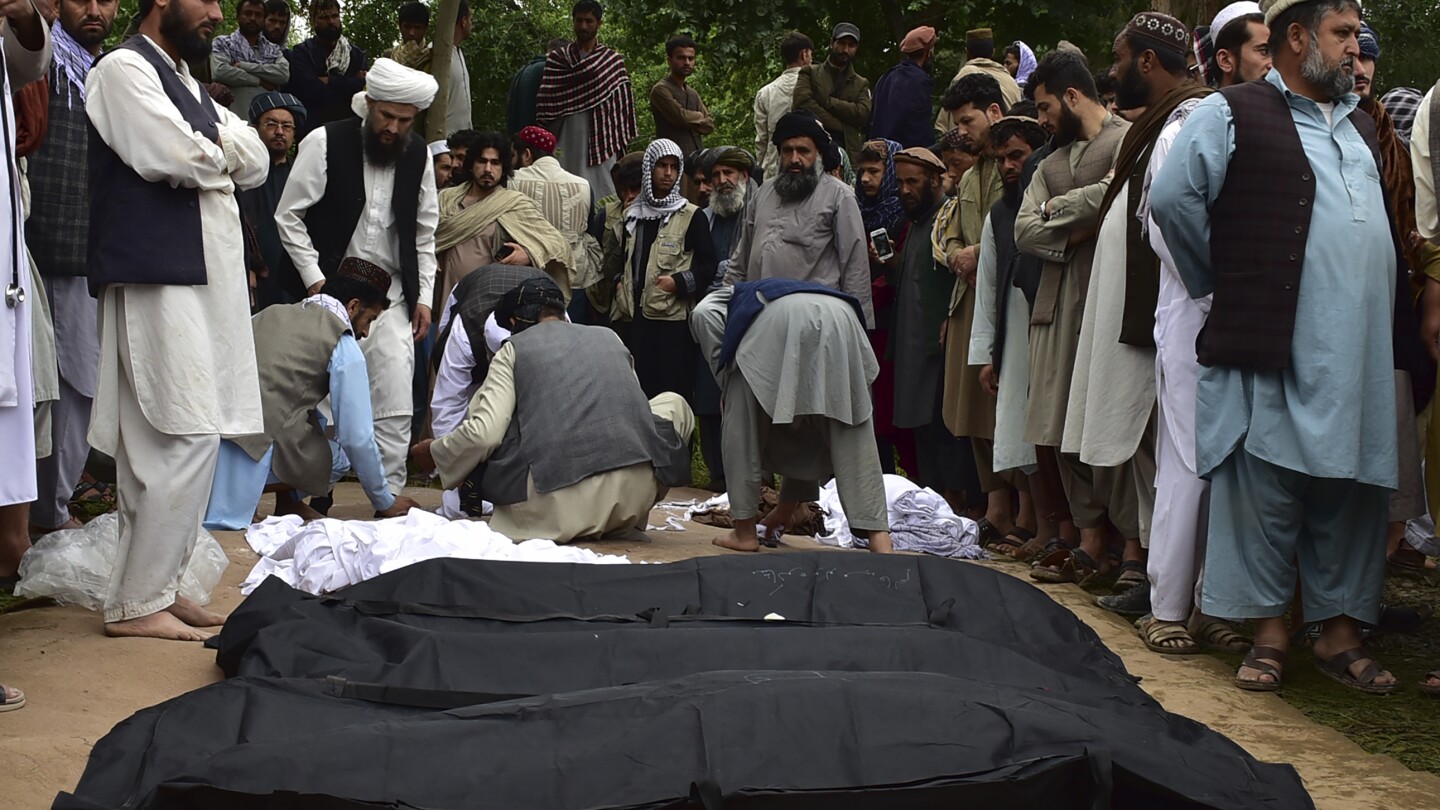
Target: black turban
[{"x": 801, "y": 124}]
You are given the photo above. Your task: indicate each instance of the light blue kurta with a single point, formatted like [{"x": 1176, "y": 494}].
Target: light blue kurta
[
  {"x": 240, "y": 480},
  {"x": 1330, "y": 414}
]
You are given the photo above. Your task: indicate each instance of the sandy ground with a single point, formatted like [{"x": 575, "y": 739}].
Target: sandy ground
[{"x": 80, "y": 684}]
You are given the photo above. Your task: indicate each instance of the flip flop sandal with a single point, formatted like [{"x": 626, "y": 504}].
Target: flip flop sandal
[
  {"x": 1337, "y": 669},
  {"x": 1220, "y": 636},
  {"x": 1155, "y": 633},
  {"x": 1032, "y": 549},
  {"x": 1431, "y": 689},
  {"x": 8, "y": 704},
  {"x": 1066, "y": 565},
  {"x": 1132, "y": 574},
  {"x": 1252, "y": 661}
]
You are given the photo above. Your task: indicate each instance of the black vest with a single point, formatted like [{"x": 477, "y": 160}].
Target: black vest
[
  {"x": 331, "y": 221},
  {"x": 1259, "y": 226},
  {"x": 143, "y": 232}
]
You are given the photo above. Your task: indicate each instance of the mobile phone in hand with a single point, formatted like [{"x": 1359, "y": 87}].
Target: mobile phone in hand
[{"x": 881, "y": 240}]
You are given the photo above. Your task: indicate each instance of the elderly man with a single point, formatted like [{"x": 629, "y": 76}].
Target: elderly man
[
  {"x": 56, "y": 233},
  {"x": 177, "y": 360},
  {"x": 1110, "y": 419},
  {"x": 326, "y": 71},
  {"x": 804, "y": 224},
  {"x": 1272, "y": 205},
  {"x": 245, "y": 61},
  {"x": 276, "y": 116},
  {"x": 365, "y": 188},
  {"x": 307, "y": 352},
  {"x": 1057, "y": 221},
  {"x": 835, "y": 94},
  {"x": 552, "y": 474},
  {"x": 980, "y": 58},
  {"x": 482, "y": 222},
  {"x": 901, "y": 112},
  {"x": 680, "y": 115},
  {"x": 761, "y": 339},
  {"x": 669, "y": 265},
  {"x": 564, "y": 200},
  {"x": 777, "y": 98},
  {"x": 585, "y": 99}
]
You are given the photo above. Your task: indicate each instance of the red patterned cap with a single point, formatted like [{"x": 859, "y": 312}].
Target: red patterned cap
[{"x": 538, "y": 139}]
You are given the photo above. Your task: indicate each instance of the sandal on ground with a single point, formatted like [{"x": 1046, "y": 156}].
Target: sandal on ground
[
  {"x": 1055, "y": 544},
  {"x": 1407, "y": 562},
  {"x": 93, "y": 491},
  {"x": 1166, "y": 638},
  {"x": 1066, "y": 565},
  {"x": 1337, "y": 669},
  {"x": 1011, "y": 544},
  {"x": 1431, "y": 689},
  {"x": 1033, "y": 548},
  {"x": 1219, "y": 635},
  {"x": 9, "y": 703},
  {"x": 1253, "y": 661},
  {"x": 1129, "y": 602},
  {"x": 1132, "y": 574},
  {"x": 988, "y": 533}
]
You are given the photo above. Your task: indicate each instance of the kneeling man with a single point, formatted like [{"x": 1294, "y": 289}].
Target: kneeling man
[
  {"x": 560, "y": 436},
  {"x": 794, "y": 367},
  {"x": 306, "y": 352}
]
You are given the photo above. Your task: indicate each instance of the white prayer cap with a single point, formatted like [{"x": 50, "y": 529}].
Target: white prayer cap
[
  {"x": 439, "y": 148},
  {"x": 1231, "y": 13},
  {"x": 389, "y": 80},
  {"x": 1274, "y": 8}
]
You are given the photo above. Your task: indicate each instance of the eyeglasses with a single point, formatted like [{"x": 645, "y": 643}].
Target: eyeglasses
[{"x": 278, "y": 125}]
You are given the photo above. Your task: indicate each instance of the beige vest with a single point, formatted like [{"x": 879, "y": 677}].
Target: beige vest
[
  {"x": 667, "y": 257},
  {"x": 293, "y": 345},
  {"x": 1097, "y": 161}
]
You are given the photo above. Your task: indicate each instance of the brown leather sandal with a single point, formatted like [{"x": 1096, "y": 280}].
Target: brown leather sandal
[
  {"x": 1252, "y": 661},
  {"x": 1337, "y": 669}
]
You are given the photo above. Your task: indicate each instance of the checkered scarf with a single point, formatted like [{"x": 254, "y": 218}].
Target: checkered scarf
[
  {"x": 574, "y": 82},
  {"x": 646, "y": 207},
  {"x": 72, "y": 64}
]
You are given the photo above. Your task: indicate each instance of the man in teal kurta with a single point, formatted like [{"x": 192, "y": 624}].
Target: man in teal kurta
[{"x": 1300, "y": 459}]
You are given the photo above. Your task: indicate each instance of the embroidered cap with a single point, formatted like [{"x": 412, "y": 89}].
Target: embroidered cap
[
  {"x": 366, "y": 273},
  {"x": 538, "y": 138},
  {"x": 1161, "y": 31}
]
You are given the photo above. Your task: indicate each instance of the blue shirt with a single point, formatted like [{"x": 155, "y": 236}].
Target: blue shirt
[
  {"x": 355, "y": 421},
  {"x": 1331, "y": 414}
]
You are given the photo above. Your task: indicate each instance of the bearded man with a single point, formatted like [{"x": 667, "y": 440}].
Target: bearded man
[
  {"x": 804, "y": 224},
  {"x": 57, "y": 233},
  {"x": 326, "y": 71},
  {"x": 1272, "y": 205},
  {"x": 245, "y": 61},
  {"x": 276, "y": 116},
  {"x": 366, "y": 189}
]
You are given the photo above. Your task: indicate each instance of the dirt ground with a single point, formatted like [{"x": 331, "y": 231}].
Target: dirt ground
[{"x": 80, "y": 684}]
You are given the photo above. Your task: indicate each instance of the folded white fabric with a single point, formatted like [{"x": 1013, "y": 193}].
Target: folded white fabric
[
  {"x": 327, "y": 555},
  {"x": 920, "y": 520}
]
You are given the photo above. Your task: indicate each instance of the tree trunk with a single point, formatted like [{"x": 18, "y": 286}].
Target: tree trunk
[
  {"x": 440, "y": 52},
  {"x": 1191, "y": 12}
]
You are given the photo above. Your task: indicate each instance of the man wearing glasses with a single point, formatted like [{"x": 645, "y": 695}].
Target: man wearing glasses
[{"x": 276, "y": 116}]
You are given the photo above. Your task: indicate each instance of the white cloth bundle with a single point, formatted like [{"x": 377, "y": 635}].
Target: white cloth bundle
[{"x": 920, "y": 520}]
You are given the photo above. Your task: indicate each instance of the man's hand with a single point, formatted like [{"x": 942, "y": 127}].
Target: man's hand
[
  {"x": 25, "y": 21},
  {"x": 990, "y": 380},
  {"x": 315, "y": 288},
  {"x": 666, "y": 284},
  {"x": 220, "y": 94},
  {"x": 268, "y": 85},
  {"x": 517, "y": 256},
  {"x": 944, "y": 330},
  {"x": 420, "y": 323},
  {"x": 420, "y": 454},
  {"x": 964, "y": 263},
  {"x": 400, "y": 508}
]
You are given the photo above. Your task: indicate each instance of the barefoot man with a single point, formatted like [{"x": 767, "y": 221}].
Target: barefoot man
[
  {"x": 177, "y": 360},
  {"x": 800, "y": 405}
]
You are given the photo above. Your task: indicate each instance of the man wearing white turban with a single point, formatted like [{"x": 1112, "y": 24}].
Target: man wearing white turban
[{"x": 366, "y": 189}]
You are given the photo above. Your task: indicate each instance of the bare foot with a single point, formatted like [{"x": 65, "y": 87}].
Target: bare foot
[
  {"x": 880, "y": 543},
  {"x": 156, "y": 625},
  {"x": 733, "y": 541},
  {"x": 194, "y": 615}
]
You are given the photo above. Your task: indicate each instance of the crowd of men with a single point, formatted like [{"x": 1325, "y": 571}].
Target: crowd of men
[{"x": 1172, "y": 325}]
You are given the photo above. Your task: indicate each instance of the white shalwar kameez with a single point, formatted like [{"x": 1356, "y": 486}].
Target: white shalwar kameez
[
  {"x": 390, "y": 348},
  {"x": 17, "y": 385},
  {"x": 1011, "y": 450},
  {"x": 177, "y": 363}
]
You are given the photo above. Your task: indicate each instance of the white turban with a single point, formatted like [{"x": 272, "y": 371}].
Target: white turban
[
  {"x": 1230, "y": 13},
  {"x": 389, "y": 80}
]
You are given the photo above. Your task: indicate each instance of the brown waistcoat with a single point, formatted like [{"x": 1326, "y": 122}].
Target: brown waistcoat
[{"x": 1259, "y": 226}]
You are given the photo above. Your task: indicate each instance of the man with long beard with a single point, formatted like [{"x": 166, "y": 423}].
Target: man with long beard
[
  {"x": 1272, "y": 205},
  {"x": 1057, "y": 222},
  {"x": 367, "y": 189},
  {"x": 804, "y": 224},
  {"x": 166, "y": 258}
]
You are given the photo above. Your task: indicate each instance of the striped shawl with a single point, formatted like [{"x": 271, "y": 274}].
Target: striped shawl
[{"x": 598, "y": 83}]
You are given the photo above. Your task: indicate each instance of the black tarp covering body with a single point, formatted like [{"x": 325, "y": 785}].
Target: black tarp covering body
[{"x": 891, "y": 682}]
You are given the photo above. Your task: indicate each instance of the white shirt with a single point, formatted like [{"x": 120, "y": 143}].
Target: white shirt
[
  {"x": 563, "y": 198},
  {"x": 457, "y": 103},
  {"x": 376, "y": 239},
  {"x": 1426, "y": 215},
  {"x": 771, "y": 104},
  {"x": 454, "y": 381}
]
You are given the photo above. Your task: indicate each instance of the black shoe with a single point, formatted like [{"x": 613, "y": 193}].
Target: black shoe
[
  {"x": 323, "y": 504},
  {"x": 1130, "y": 602}
]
